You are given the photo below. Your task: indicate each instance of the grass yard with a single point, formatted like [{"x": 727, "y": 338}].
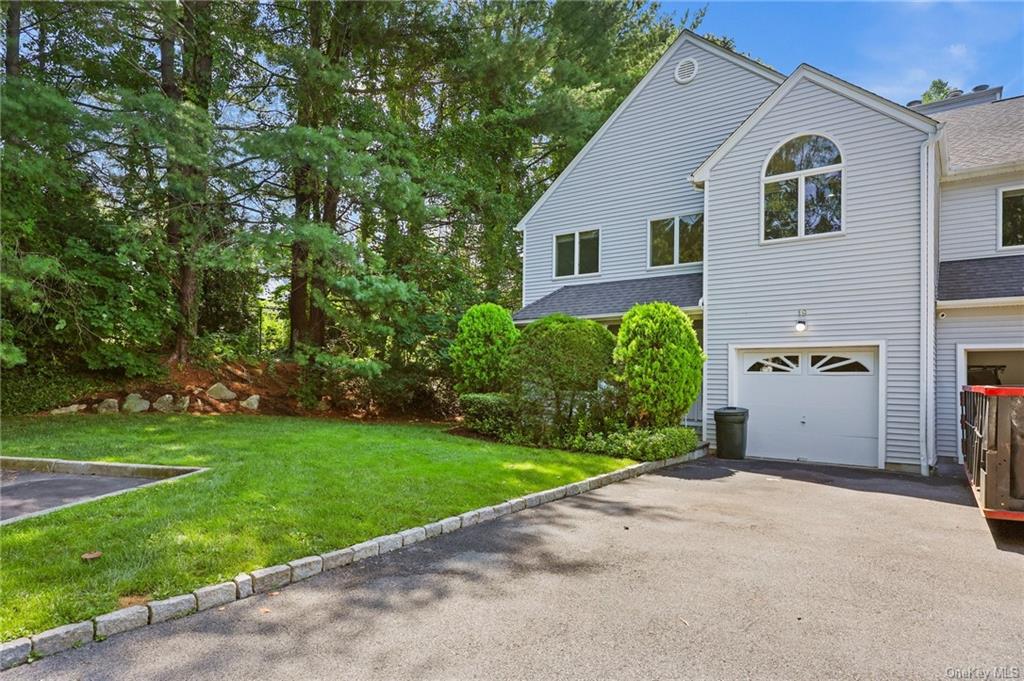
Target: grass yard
[{"x": 278, "y": 489}]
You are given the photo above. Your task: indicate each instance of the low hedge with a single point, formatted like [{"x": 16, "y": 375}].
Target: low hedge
[
  {"x": 642, "y": 444},
  {"x": 489, "y": 413}
]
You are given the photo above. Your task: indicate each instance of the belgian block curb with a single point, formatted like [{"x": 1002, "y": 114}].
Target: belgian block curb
[{"x": 59, "y": 639}]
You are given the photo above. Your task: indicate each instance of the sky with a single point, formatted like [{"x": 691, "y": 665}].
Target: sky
[{"x": 894, "y": 49}]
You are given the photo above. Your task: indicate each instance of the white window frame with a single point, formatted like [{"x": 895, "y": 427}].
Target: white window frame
[
  {"x": 800, "y": 176},
  {"x": 999, "y": 218},
  {"x": 576, "y": 254},
  {"x": 674, "y": 217}
]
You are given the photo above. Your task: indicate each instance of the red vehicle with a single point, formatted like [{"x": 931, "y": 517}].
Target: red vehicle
[{"x": 992, "y": 444}]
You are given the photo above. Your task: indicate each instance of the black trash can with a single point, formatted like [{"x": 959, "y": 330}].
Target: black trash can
[{"x": 731, "y": 432}]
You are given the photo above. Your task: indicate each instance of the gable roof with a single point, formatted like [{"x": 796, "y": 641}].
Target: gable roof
[
  {"x": 828, "y": 81},
  {"x": 684, "y": 36},
  {"x": 612, "y": 299},
  {"x": 982, "y": 138}
]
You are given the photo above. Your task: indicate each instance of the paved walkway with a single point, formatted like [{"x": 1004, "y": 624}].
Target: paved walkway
[
  {"x": 23, "y": 492},
  {"x": 707, "y": 570}
]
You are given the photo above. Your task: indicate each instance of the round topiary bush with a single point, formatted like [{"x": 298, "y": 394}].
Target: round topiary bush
[
  {"x": 556, "y": 369},
  {"x": 482, "y": 347},
  {"x": 659, "y": 363}
]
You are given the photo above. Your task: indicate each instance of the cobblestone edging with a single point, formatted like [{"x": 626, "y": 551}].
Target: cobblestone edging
[{"x": 62, "y": 638}]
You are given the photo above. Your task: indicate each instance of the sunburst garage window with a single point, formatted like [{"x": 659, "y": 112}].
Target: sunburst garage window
[{"x": 803, "y": 189}]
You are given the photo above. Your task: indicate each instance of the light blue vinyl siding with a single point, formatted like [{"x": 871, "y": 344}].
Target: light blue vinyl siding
[
  {"x": 968, "y": 222},
  {"x": 639, "y": 167},
  {"x": 981, "y": 326},
  {"x": 862, "y": 285}
]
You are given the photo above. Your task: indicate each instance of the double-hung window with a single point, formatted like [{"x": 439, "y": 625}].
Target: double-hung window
[
  {"x": 1011, "y": 217},
  {"x": 577, "y": 253},
  {"x": 675, "y": 240},
  {"x": 803, "y": 189}
]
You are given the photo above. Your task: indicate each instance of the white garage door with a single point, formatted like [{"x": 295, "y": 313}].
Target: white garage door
[{"x": 817, "y": 404}]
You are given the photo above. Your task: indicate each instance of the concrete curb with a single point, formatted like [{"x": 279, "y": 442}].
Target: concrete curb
[{"x": 59, "y": 639}]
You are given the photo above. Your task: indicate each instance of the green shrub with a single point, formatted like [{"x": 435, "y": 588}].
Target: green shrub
[
  {"x": 642, "y": 444},
  {"x": 489, "y": 413},
  {"x": 29, "y": 389},
  {"x": 481, "y": 349},
  {"x": 659, "y": 363},
  {"x": 556, "y": 369}
]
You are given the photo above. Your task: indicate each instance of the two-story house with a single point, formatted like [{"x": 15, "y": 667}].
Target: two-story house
[{"x": 848, "y": 262}]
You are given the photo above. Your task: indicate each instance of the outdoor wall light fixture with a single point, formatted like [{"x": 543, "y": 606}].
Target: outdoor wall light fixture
[{"x": 801, "y": 321}]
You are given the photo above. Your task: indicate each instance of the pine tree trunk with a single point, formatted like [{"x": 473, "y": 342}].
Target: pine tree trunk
[
  {"x": 12, "y": 55},
  {"x": 186, "y": 225},
  {"x": 305, "y": 197}
]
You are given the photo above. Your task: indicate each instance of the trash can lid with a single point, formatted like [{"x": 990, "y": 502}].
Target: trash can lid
[{"x": 732, "y": 410}]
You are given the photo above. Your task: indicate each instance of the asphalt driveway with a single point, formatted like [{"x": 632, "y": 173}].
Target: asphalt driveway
[{"x": 707, "y": 570}]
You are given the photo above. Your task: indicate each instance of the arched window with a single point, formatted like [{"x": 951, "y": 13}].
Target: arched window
[{"x": 803, "y": 189}]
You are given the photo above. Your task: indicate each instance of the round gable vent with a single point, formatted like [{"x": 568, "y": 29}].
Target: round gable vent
[{"x": 686, "y": 70}]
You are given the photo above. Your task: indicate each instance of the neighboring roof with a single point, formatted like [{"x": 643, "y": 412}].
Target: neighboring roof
[
  {"x": 684, "y": 36},
  {"x": 998, "y": 277},
  {"x": 828, "y": 81},
  {"x": 953, "y": 101},
  {"x": 614, "y": 298},
  {"x": 982, "y": 137}
]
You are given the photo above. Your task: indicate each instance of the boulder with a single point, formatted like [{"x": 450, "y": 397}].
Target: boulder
[
  {"x": 70, "y": 409},
  {"x": 108, "y": 406},
  {"x": 252, "y": 402},
  {"x": 164, "y": 403},
  {"x": 182, "y": 404},
  {"x": 134, "y": 404},
  {"x": 219, "y": 391}
]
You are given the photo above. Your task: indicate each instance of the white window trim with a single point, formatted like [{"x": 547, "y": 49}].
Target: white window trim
[
  {"x": 999, "y": 218},
  {"x": 735, "y": 351},
  {"x": 800, "y": 176},
  {"x": 576, "y": 253},
  {"x": 675, "y": 265}
]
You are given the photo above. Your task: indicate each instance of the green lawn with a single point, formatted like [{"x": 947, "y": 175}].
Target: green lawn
[{"x": 277, "y": 489}]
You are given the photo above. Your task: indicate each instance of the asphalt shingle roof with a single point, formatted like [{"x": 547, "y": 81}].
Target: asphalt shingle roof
[
  {"x": 999, "y": 277},
  {"x": 614, "y": 298},
  {"x": 983, "y": 135}
]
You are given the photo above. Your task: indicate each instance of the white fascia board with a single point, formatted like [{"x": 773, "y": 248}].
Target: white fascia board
[
  {"x": 684, "y": 37},
  {"x": 975, "y": 173},
  {"x": 1009, "y": 301},
  {"x": 827, "y": 81},
  {"x": 691, "y": 312}
]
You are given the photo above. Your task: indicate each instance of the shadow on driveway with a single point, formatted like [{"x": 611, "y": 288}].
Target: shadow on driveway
[{"x": 949, "y": 486}]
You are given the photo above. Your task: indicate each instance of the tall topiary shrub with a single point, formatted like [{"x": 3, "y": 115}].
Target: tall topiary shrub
[
  {"x": 483, "y": 344},
  {"x": 659, "y": 363},
  {"x": 557, "y": 366}
]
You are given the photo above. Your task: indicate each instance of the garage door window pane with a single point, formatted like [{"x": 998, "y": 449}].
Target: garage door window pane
[
  {"x": 777, "y": 364},
  {"x": 838, "y": 364},
  {"x": 588, "y": 252}
]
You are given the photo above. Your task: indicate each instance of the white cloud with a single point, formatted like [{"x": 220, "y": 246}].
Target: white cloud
[{"x": 957, "y": 50}]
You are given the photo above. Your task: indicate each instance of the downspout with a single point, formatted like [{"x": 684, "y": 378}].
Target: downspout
[
  {"x": 704, "y": 315},
  {"x": 929, "y": 257}
]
